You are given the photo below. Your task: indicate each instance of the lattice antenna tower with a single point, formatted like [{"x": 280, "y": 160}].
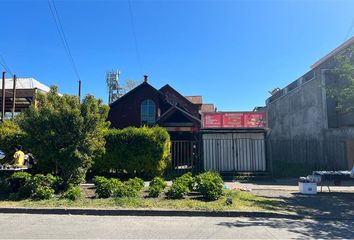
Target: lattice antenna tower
[{"x": 114, "y": 89}]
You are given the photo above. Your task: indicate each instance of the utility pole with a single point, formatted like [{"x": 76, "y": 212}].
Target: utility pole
[
  {"x": 3, "y": 97},
  {"x": 79, "y": 91},
  {"x": 14, "y": 98}
]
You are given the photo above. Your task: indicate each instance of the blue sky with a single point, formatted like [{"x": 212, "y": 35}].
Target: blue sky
[{"x": 230, "y": 52}]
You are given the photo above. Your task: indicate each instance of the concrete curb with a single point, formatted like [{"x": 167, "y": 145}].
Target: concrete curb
[
  {"x": 164, "y": 213},
  {"x": 147, "y": 212}
]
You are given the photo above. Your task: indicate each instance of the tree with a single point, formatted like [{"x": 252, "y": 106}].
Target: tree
[
  {"x": 11, "y": 135},
  {"x": 64, "y": 135},
  {"x": 342, "y": 91},
  {"x": 129, "y": 85}
]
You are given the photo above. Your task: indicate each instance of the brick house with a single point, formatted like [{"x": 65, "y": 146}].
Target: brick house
[{"x": 166, "y": 107}]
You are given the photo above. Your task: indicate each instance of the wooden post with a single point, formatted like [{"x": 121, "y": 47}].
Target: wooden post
[
  {"x": 79, "y": 91},
  {"x": 14, "y": 98},
  {"x": 3, "y": 97}
]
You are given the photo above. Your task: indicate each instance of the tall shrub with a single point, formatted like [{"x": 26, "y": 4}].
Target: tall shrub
[
  {"x": 136, "y": 151},
  {"x": 64, "y": 135}
]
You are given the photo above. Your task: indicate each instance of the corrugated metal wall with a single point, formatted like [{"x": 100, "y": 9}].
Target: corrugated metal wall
[{"x": 234, "y": 152}]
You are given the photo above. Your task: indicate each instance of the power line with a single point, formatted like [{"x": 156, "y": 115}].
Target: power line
[
  {"x": 4, "y": 65},
  {"x": 61, "y": 32},
  {"x": 134, "y": 36}
]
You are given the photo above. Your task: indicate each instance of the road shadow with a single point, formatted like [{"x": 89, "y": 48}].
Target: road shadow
[
  {"x": 318, "y": 229},
  {"x": 331, "y": 213},
  {"x": 323, "y": 205}
]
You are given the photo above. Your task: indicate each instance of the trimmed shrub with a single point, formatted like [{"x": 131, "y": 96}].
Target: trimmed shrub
[
  {"x": 125, "y": 190},
  {"x": 103, "y": 187},
  {"x": 157, "y": 185},
  {"x": 210, "y": 185},
  {"x": 106, "y": 187},
  {"x": 114, "y": 187},
  {"x": 130, "y": 188},
  {"x": 155, "y": 190},
  {"x": 136, "y": 151},
  {"x": 158, "y": 181},
  {"x": 136, "y": 183},
  {"x": 188, "y": 180},
  {"x": 178, "y": 189},
  {"x": 42, "y": 193},
  {"x": 18, "y": 180},
  {"x": 40, "y": 180},
  {"x": 98, "y": 180},
  {"x": 73, "y": 193}
]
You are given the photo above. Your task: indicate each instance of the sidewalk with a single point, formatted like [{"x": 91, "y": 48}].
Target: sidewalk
[
  {"x": 287, "y": 184},
  {"x": 335, "y": 204}
]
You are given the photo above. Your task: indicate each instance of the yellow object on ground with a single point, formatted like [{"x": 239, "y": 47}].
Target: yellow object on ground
[{"x": 19, "y": 158}]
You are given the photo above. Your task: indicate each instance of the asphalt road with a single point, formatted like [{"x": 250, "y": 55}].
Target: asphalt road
[{"x": 127, "y": 227}]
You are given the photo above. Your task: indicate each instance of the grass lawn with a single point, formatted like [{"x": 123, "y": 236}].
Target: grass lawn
[{"x": 241, "y": 201}]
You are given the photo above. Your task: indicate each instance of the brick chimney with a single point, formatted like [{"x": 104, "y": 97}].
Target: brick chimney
[{"x": 146, "y": 78}]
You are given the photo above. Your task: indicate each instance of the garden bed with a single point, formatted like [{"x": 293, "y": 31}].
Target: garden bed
[{"x": 241, "y": 201}]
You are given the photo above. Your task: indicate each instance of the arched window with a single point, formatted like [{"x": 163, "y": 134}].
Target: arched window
[{"x": 148, "y": 112}]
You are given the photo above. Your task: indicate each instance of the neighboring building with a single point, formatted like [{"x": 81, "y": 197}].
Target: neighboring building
[
  {"x": 26, "y": 90},
  {"x": 306, "y": 132},
  {"x": 145, "y": 105},
  {"x": 302, "y": 110}
]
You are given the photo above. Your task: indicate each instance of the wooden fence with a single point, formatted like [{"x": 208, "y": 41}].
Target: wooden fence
[{"x": 301, "y": 157}]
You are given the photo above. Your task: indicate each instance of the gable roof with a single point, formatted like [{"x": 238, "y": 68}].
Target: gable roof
[
  {"x": 168, "y": 87},
  {"x": 137, "y": 88},
  {"x": 172, "y": 110}
]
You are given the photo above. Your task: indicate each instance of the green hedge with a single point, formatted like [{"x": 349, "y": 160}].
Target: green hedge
[{"x": 133, "y": 151}]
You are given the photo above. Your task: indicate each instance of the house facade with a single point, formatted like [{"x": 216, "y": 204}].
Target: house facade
[{"x": 166, "y": 107}]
